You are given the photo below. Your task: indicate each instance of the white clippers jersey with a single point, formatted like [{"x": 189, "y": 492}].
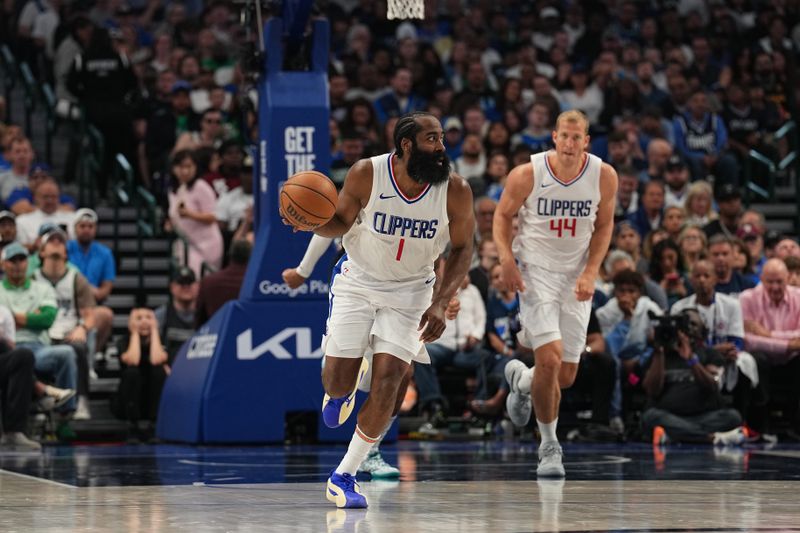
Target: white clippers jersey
[
  {"x": 396, "y": 238},
  {"x": 556, "y": 221}
]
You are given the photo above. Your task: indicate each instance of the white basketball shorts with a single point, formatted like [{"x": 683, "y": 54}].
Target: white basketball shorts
[
  {"x": 359, "y": 323},
  {"x": 549, "y": 311}
]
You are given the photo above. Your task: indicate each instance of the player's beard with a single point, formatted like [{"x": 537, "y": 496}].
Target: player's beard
[{"x": 428, "y": 167}]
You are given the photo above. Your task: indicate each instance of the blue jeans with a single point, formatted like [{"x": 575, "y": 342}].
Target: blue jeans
[{"x": 57, "y": 361}]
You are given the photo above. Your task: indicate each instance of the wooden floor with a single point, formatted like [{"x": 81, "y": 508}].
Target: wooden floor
[{"x": 444, "y": 487}]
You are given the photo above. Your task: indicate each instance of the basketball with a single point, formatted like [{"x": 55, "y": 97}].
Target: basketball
[{"x": 308, "y": 199}]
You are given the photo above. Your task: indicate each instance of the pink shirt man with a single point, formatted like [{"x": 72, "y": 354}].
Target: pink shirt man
[{"x": 771, "y": 312}]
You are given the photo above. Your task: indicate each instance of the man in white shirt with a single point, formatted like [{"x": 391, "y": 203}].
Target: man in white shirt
[
  {"x": 46, "y": 200},
  {"x": 232, "y": 204}
]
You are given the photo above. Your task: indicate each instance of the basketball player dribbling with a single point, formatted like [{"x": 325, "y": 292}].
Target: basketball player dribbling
[
  {"x": 374, "y": 464},
  {"x": 565, "y": 201},
  {"x": 397, "y": 213}
]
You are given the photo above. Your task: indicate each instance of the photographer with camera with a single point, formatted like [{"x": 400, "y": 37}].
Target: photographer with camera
[
  {"x": 684, "y": 402},
  {"x": 722, "y": 316}
]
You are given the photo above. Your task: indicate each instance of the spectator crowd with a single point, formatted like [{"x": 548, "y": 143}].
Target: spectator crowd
[{"x": 678, "y": 93}]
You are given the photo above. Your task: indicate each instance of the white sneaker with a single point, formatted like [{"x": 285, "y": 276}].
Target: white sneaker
[
  {"x": 82, "y": 411},
  {"x": 550, "y": 456},
  {"x": 734, "y": 437},
  {"x": 17, "y": 441},
  {"x": 377, "y": 467},
  {"x": 518, "y": 404},
  {"x": 61, "y": 396}
]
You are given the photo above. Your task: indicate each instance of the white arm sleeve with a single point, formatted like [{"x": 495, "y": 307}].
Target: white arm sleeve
[{"x": 316, "y": 247}]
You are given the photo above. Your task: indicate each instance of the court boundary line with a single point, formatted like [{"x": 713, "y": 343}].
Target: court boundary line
[{"x": 42, "y": 479}]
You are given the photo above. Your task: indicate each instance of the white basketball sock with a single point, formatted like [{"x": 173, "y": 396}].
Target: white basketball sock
[
  {"x": 383, "y": 434},
  {"x": 360, "y": 445},
  {"x": 548, "y": 431},
  {"x": 525, "y": 380}
]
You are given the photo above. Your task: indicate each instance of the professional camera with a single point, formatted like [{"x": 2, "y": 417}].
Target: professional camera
[{"x": 667, "y": 328}]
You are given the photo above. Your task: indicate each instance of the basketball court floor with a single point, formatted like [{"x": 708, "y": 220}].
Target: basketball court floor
[{"x": 489, "y": 486}]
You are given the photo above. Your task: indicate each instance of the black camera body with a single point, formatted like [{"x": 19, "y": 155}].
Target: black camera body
[{"x": 667, "y": 328}]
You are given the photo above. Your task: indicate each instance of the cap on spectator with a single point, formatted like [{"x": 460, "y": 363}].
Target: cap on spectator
[
  {"x": 7, "y": 215},
  {"x": 443, "y": 85},
  {"x": 453, "y": 123},
  {"x": 728, "y": 191},
  {"x": 84, "y": 213},
  {"x": 184, "y": 276},
  {"x": 748, "y": 231},
  {"x": 549, "y": 11},
  {"x": 13, "y": 250},
  {"x": 675, "y": 162},
  {"x": 40, "y": 167},
  {"x": 49, "y": 227},
  {"x": 181, "y": 86}
]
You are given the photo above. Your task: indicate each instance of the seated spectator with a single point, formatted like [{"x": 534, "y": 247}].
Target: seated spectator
[
  {"x": 729, "y": 281},
  {"x": 175, "y": 319},
  {"x": 659, "y": 160},
  {"x": 144, "y": 370},
  {"x": 625, "y": 324},
  {"x": 684, "y": 402},
  {"x": 692, "y": 245},
  {"x": 20, "y": 157},
  {"x": 228, "y": 172},
  {"x": 538, "y": 133},
  {"x": 96, "y": 262},
  {"x": 729, "y": 201},
  {"x": 484, "y": 217},
  {"x": 34, "y": 306},
  {"x": 479, "y": 275},
  {"x": 647, "y": 216},
  {"x": 74, "y": 320},
  {"x": 191, "y": 214},
  {"x": 665, "y": 269},
  {"x": 616, "y": 261},
  {"x": 460, "y": 346},
  {"x": 722, "y": 317},
  {"x": 16, "y": 388},
  {"x": 700, "y": 205},
  {"x": 210, "y": 135},
  {"x": 674, "y": 218},
  {"x": 753, "y": 237},
  {"x": 627, "y": 239},
  {"x": 400, "y": 99},
  {"x": 46, "y": 201},
  {"x": 8, "y": 228},
  {"x": 771, "y": 313},
  {"x": 701, "y": 138},
  {"x": 20, "y": 201},
  {"x": 676, "y": 177},
  {"x": 742, "y": 262},
  {"x": 793, "y": 266},
  {"x": 787, "y": 247},
  {"x": 471, "y": 165},
  {"x": 232, "y": 204},
  {"x": 223, "y": 286}
]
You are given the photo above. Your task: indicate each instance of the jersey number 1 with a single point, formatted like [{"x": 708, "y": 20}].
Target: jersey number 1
[
  {"x": 563, "y": 225},
  {"x": 400, "y": 250}
]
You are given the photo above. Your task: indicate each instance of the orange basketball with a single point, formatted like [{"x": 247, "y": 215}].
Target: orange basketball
[{"x": 308, "y": 199}]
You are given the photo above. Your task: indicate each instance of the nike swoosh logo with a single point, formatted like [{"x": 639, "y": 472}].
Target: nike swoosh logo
[
  {"x": 382, "y": 197},
  {"x": 332, "y": 492},
  {"x": 349, "y": 400},
  {"x": 544, "y": 186},
  {"x": 430, "y": 280}
]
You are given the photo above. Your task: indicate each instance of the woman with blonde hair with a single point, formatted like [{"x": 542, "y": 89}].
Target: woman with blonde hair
[
  {"x": 699, "y": 204},
  {"x": 692, "y": 243},
  {"x": 672, "y": 221}
]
